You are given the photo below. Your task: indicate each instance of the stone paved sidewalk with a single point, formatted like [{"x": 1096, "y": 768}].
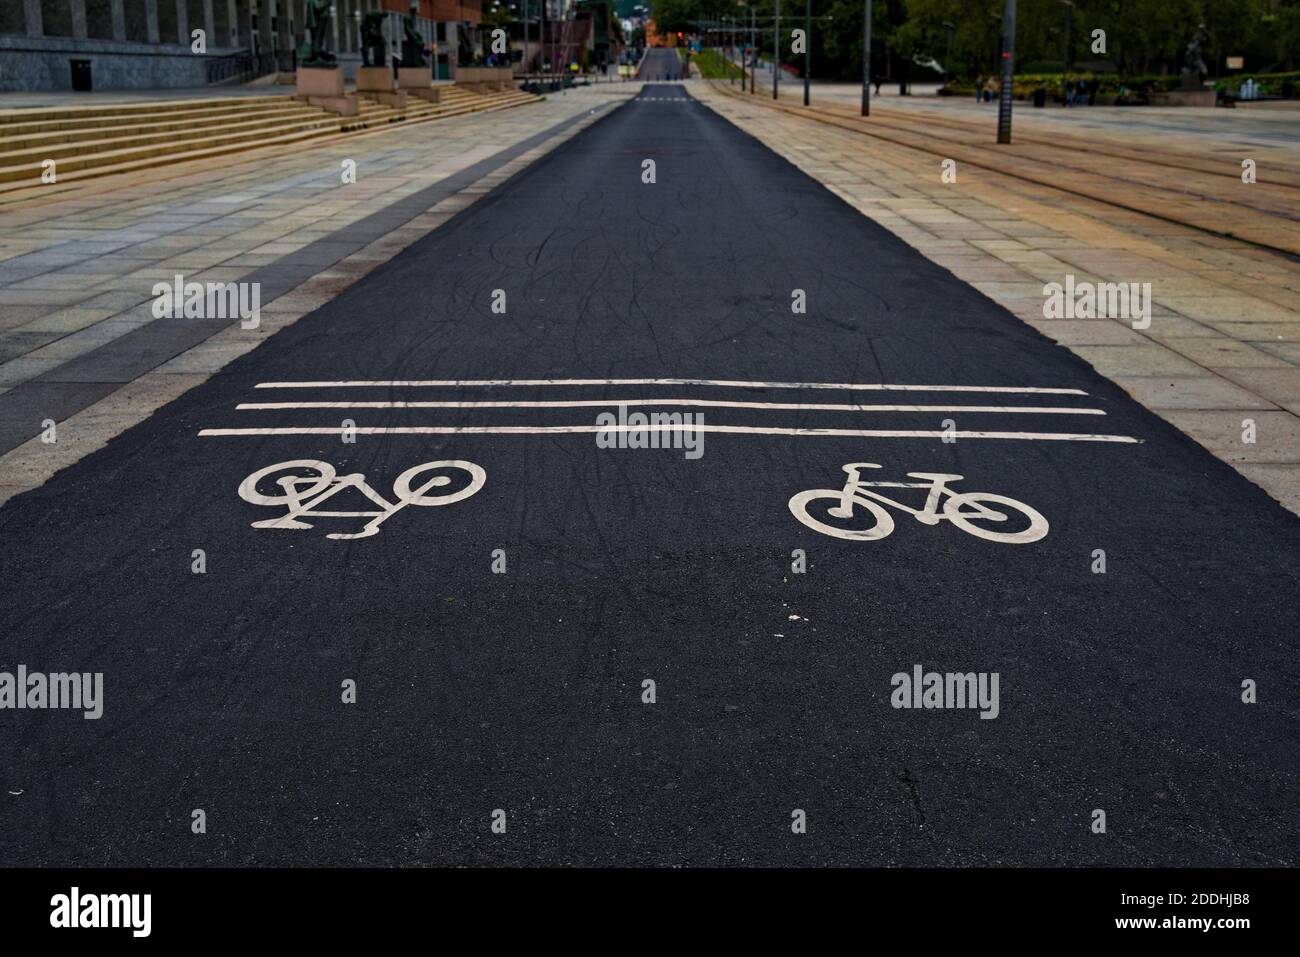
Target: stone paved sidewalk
[
  {"x": 77, "y": 269},
  {"x": 1223, "y": 348}
]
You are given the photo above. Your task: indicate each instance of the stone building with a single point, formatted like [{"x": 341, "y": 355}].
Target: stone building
[{"x": 149, "y": 44}]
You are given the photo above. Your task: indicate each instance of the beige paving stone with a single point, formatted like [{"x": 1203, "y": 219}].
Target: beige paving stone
[
  {"x": 10, "y": 296},
  {"x": 1087, "y": 332},
  {"x": 1285, "y": 350},
  {"x": 206, "y": 358},
  {"x": 1280, "y": 481},
  {"x": 1113, "y": 361},
  {"x": 1224, "y": 353},
  {"x": 1167, "y": 327},
  {"x": 67, "y": 320},
  {"x": 1260, "y": 331},
  {"x": 1277, "y": 434},
  {"x": 1209, "y": 392},
  {"x": 1280, "y": 385},
  {"x": 17, "y": 371}
]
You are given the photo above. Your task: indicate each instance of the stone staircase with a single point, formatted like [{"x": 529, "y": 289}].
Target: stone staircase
[
  {"x": 89, "y": 141},
  {"x": 453, "y": 101}
]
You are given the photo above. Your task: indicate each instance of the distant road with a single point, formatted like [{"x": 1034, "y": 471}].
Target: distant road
[{"x": 661, "y": 63}]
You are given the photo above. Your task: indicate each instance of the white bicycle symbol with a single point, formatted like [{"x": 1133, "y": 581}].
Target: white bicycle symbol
[
  {"x": 963, "y": 509},
  {"x": 302, "y": 494}
]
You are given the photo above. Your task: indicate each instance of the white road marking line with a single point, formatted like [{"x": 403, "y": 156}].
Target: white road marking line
[
  {"x": 589, "y": 429},
  {"x": 709, "y": 403},
  {"x": 725, "y": 383}
]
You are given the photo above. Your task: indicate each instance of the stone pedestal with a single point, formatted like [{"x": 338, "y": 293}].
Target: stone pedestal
[
  {"x": 417, "y": 81},
  {"x": 430, "y": 94},
  {"x": 414, "y": 78},
  {"x": 375, "y": 79},
  {"x": 313, "y": 81},
  {"x": 1183, "y": 98},
  {"x": 377, "y": 83},
  {"x": 395, "y": 99},
  {"x": 485, "y": 79},
  {"x": 323, "y": 87}
]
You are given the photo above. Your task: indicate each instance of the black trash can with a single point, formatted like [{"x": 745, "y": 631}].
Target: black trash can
[
  {"x": 81, "y": 75},
  {"x": 1040, "y": 96}
]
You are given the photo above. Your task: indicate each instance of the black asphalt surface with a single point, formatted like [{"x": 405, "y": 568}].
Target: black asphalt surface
[
  {"x": 660, "y": 64},
  {"x": 522, "y": 691}
]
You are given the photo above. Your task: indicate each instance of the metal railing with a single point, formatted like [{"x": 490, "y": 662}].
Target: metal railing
[{"x": 244, "y": 65}]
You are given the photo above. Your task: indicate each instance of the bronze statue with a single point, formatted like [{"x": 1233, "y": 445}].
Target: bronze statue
[
  {"x": 315, "y": 45},
  {"x": 372, "y": 38},
  {"x": 1194, "y": 68},
  {"x": 412, "y": 42}
]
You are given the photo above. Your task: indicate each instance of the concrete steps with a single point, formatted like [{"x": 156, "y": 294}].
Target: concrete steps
[
  {"x": 20, "y": 136},
  {"x": 86, "y": 142},
  {"x": 68, "y": 143}
]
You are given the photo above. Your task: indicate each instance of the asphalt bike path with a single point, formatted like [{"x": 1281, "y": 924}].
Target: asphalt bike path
[{"x": 358, "y": 483}]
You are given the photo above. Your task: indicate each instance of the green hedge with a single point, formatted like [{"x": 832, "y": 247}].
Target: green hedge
[
  {"x": 1270, "y": 84},
  {"x": 1108, "y": 84},
  {"x": 713, "y": 66},
  {"x": 1105, "y": 84}
]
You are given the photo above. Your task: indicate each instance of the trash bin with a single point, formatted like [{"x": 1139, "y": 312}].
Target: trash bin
[
  {"x": 1040, "y": 96},
  {"x": 81, "y": 75}
]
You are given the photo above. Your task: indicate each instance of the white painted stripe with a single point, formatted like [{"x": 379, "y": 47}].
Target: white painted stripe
[
  {"x": 710, "y": 403},
  {"x": 735, "y": 429},
  {"x": 725, "y": 383}
]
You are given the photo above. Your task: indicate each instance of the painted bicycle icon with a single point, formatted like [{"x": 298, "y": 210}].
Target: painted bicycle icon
[
  {"x": 303, "y": 494},
  {"x": 996, "y": 518}
]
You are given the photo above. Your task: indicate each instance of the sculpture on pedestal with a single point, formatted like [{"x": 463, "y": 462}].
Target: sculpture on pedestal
[
  {"x": 315, "y": 51},
  {"x": 1194, "y": 68},
  {"x": 372, "y": 39},
  {"x": 412, "y": 42}
]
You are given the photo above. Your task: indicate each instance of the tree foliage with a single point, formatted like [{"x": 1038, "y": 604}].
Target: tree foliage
[{"x": 1141, "y": 36}]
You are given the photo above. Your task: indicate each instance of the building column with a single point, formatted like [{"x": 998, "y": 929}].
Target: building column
[
  {"x": 78, "y": 19},
  {"x": 264, "y": 12},
  {"x": 151, "y": 19},
  {"x": 183, "y": 24},
  {"x": 119, "y": 20},
  {"x": 209, "y": 23},
  {"x": 33, "y": 18}
]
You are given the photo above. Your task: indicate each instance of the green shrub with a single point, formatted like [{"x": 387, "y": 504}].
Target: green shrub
[{"x": 1270, "y": 84}]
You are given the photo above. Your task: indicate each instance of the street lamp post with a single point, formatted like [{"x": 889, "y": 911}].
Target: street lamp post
[
  {"x": 744, "y": 55},
  {"x": 807, "y": 47},
  {"x": 866, "y": 60},
  {"x": 753, "y": 50},
  {"x": 1069, "y": 24},
  {"x": 947, "y": 55},
  {"x": 1008, "y": 58},
  {"x": 776, "y": 51}
]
